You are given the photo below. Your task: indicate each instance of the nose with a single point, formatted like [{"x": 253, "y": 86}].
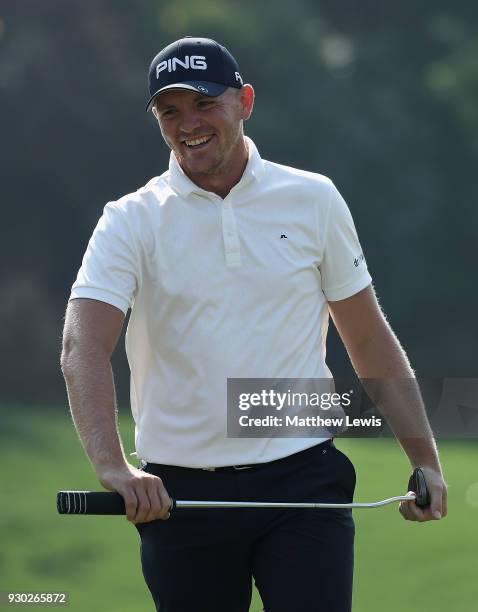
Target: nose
[{"x": 190, "y": 122}]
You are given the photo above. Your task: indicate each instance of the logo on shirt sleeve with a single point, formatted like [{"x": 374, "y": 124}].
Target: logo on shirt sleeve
[{"x": 358, "y": 260}]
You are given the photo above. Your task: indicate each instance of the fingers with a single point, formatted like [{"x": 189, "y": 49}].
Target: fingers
[
  {"x": 145, "y": 496},
  {"x": 444, "y": 502},
  {"x": 131, "y": 504},
  {"x": 438, "y": 507},
  {"x": 436, "y": 504},
  {"x": 159, "y": 502},
  {"x": 411, "y": 512},
  {"x": 166, "y": 503},
  {"x": 152, "y": 500},
  {"x": 438, "y": 494}
]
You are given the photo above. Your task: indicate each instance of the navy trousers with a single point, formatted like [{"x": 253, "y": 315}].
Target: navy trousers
[{"x": 204, "y": 560}]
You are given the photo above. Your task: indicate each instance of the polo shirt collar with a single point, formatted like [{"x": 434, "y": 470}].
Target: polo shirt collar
[{"x": 185, "y": 186}]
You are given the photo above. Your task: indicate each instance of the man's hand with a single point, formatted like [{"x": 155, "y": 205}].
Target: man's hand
[
  {"x": 438, "y": 496},
  {"x": 145, "y": 496}
]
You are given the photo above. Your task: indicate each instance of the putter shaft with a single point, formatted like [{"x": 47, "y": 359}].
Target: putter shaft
[{"x": 237, "y": 504}]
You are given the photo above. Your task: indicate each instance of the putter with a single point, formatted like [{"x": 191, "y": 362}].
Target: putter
[{"x": 91, "y": 502}]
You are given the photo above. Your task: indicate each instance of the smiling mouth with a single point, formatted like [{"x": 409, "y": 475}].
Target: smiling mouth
[{"x": 196, "y": 143}]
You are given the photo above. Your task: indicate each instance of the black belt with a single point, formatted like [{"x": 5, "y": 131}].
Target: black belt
[{"x": 238, "y": 468}]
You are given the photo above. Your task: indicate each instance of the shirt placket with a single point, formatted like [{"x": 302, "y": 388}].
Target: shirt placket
[{"x": 230, "y": 235}]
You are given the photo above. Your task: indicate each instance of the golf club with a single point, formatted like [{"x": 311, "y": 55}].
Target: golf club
[{"x": 111, "y": 503}]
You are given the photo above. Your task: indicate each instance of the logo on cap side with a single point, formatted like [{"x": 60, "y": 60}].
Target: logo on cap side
[{"x": 194, "y": 62}]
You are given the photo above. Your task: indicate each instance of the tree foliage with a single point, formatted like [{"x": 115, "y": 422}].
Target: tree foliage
[{"x": 381, "y": 97}]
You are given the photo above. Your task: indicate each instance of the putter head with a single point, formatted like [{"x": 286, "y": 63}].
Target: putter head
[{"x": 418, "y": 485}]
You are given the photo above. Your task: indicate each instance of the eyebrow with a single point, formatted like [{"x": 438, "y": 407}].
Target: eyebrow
[{"x": 161, "y": 107}]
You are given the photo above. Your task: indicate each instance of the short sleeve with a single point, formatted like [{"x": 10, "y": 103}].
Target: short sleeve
[
  {"x": 343, "y": 267},
  {"x": 110, "y": 268}
]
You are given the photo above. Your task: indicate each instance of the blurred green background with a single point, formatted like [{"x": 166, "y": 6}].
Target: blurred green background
[
  {"x": 381, "y": 97},
  {"x": 399, "y": 565}
]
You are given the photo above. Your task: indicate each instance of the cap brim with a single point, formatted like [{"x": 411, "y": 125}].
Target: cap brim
[{"x": 202, "y": 87}]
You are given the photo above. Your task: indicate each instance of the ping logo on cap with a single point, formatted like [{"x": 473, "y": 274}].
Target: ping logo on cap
[{"x": 193, "y": 62}]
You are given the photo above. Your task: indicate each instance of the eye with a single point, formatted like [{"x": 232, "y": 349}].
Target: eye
[
  {"x": 205, "y": 103},
  {"x": 169, "y": 112}
]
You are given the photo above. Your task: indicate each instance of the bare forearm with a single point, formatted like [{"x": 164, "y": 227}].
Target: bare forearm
[
  {"x": 385, "y": 371},
  {"x": 91, "y": 332},
  {"x": 390, "y": 381},
  {"x": 89, "y": 381}
]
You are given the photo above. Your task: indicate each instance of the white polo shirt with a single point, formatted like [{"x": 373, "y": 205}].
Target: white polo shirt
[{"x": 234, "y": 287}]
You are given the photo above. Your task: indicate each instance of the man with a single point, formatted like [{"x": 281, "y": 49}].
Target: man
[{"x": 230, "y": 265}]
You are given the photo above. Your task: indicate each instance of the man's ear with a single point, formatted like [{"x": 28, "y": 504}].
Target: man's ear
[
  {"x": 247, "y": 100},
  {"x": 155, "y": 113}
]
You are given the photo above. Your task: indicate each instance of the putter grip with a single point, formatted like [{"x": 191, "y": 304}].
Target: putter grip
[
  {"x": 91, "y": 502},
  {"x": 418, "y": 485},
  {"x": 87, "y": 502}
]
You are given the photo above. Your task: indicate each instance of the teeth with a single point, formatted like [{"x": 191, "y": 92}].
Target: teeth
[{"x": 198, "y": 141}]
